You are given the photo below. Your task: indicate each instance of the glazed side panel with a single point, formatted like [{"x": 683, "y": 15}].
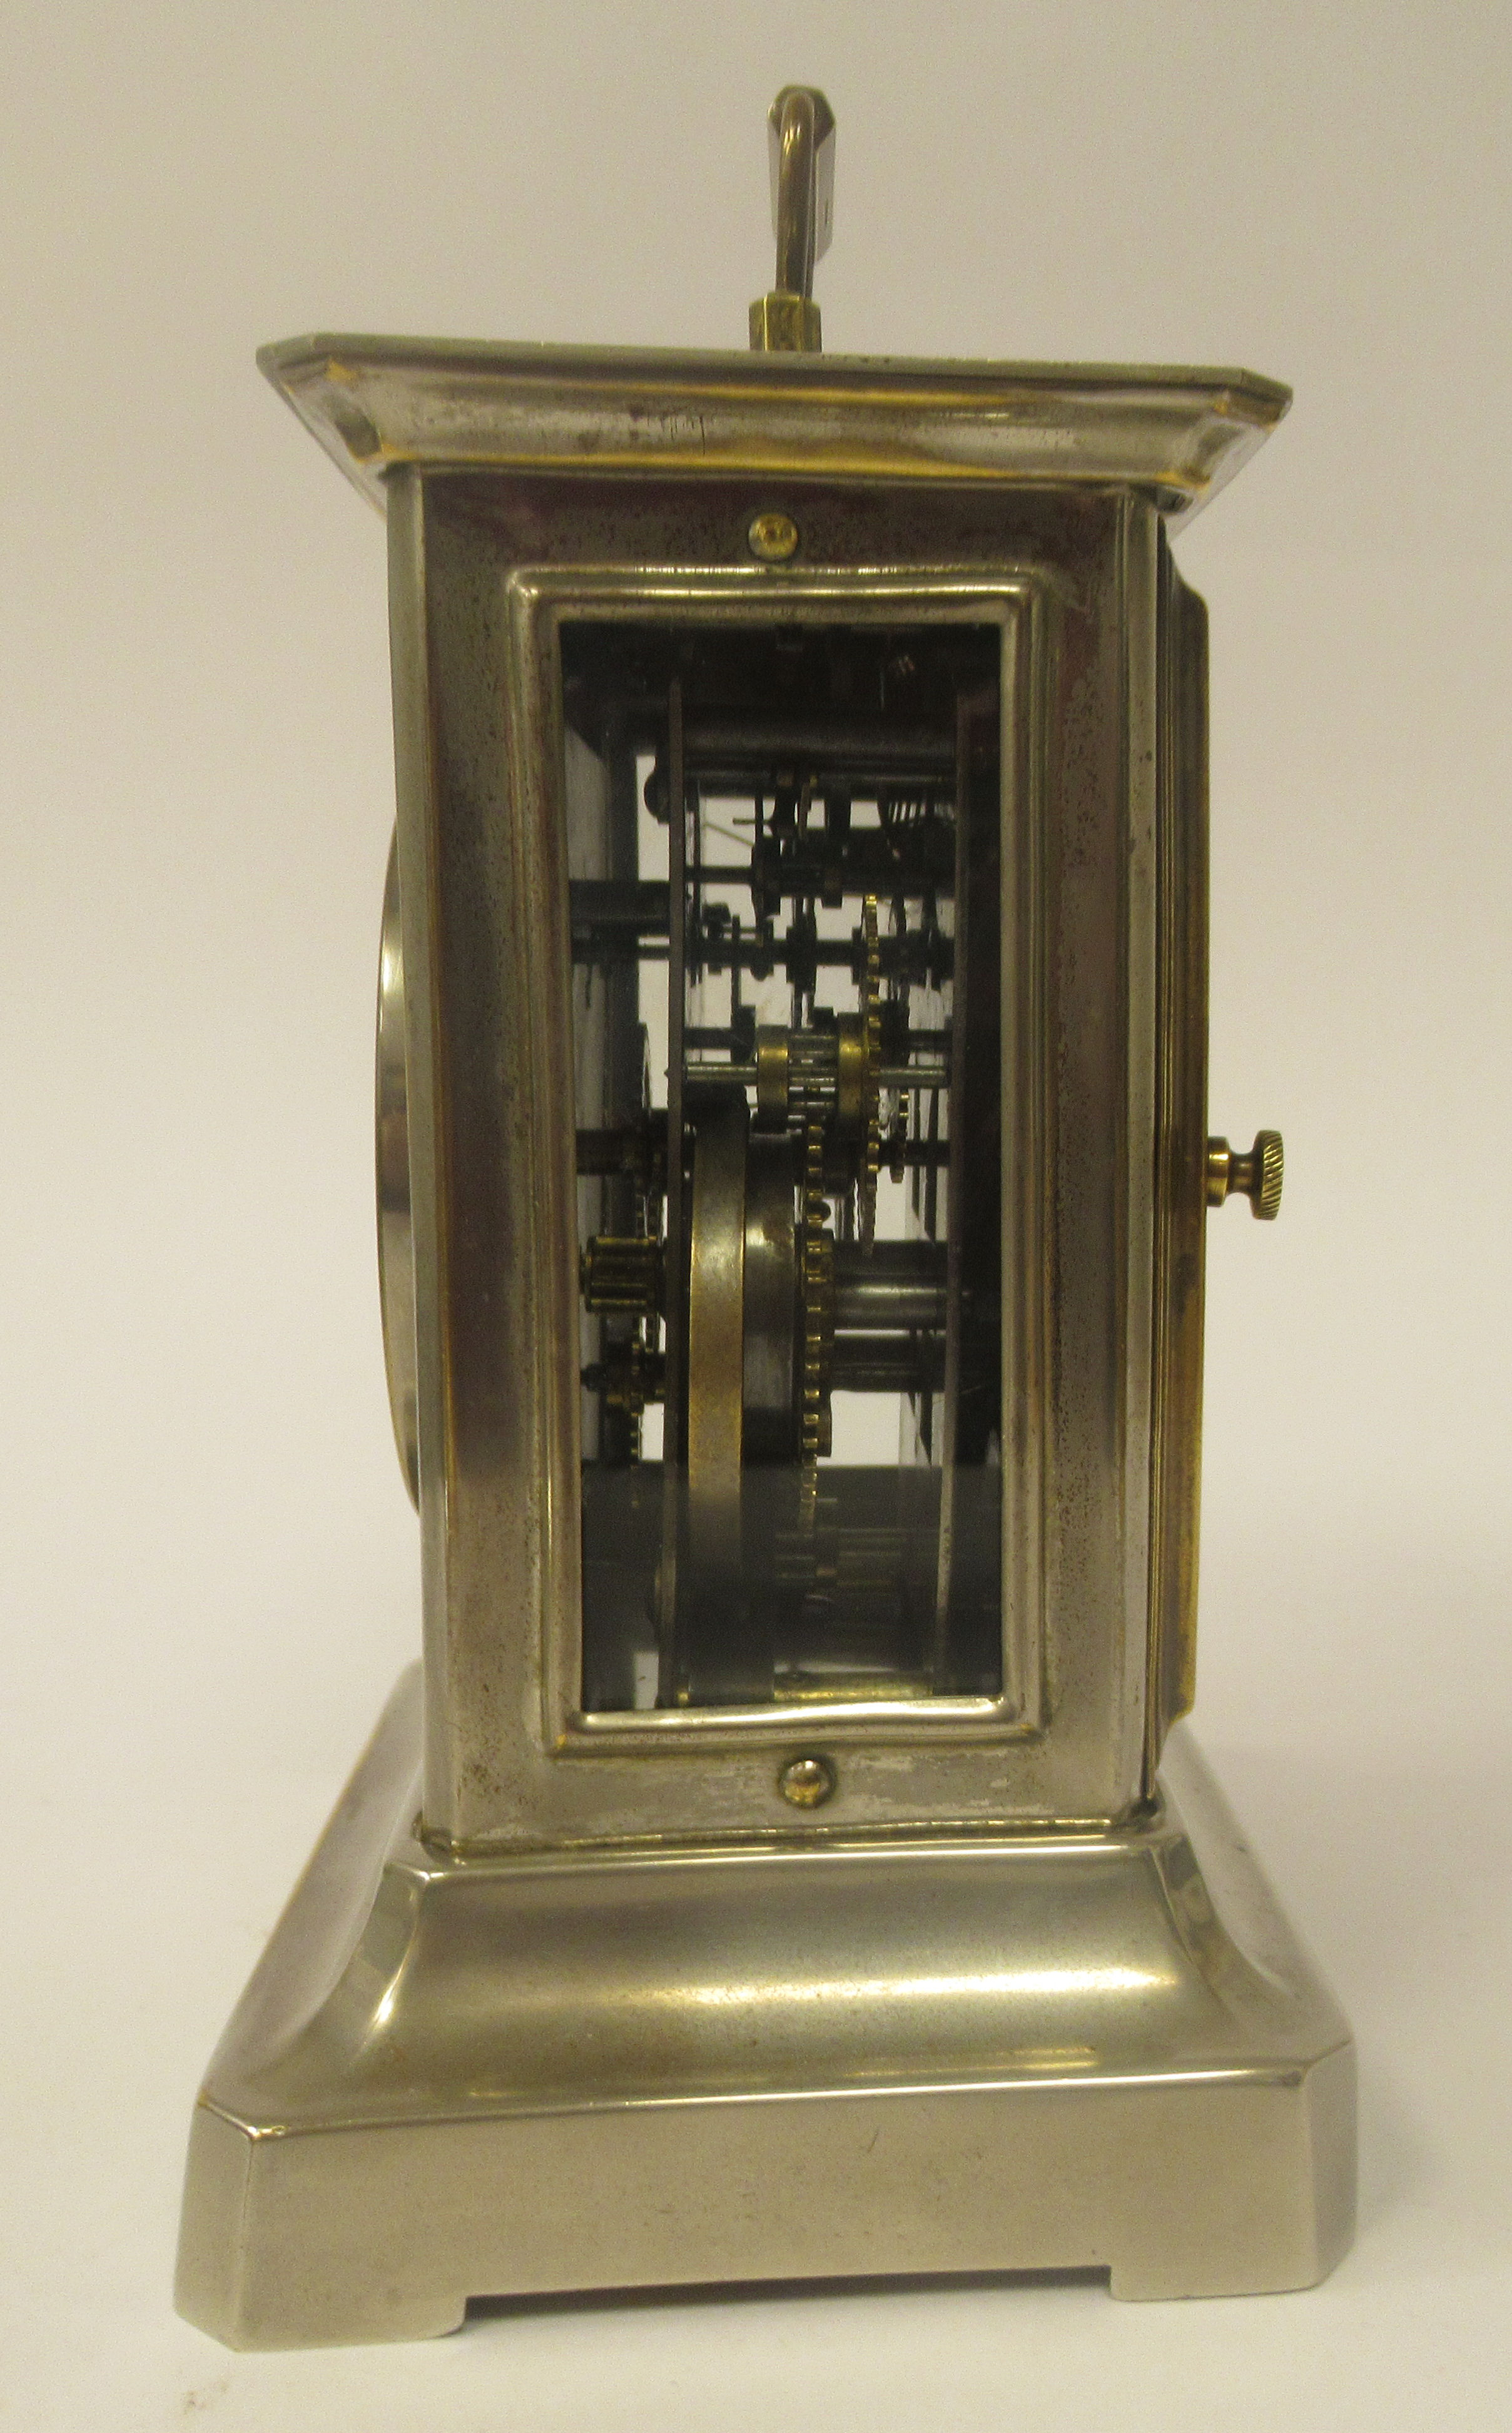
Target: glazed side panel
[{"x": 480, "y": 565}]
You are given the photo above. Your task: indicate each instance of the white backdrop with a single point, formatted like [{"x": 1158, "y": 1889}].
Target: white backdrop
[{"x": 210, "y": 1566}]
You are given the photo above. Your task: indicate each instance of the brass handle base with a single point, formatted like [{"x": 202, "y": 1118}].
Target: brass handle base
[
  {"x": 1258, "y": 1174},
  {"x": 785, "y": 325}
]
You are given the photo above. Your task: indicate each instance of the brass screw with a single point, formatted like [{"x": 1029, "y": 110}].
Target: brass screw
[
  {"x": 773, "y": 537},
  {"x": 806, "y": 1782}
]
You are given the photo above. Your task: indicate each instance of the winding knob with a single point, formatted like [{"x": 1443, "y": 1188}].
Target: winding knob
[{"x": 1258, "y": 1173}]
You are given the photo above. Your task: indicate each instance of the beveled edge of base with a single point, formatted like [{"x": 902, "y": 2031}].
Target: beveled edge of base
[{"x": 278, "y": 2247}]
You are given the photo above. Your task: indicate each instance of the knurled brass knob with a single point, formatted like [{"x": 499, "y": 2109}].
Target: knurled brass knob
[{"x": 1258, "y": 1173}]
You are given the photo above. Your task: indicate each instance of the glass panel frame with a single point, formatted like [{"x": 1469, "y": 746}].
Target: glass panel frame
[{"x": 540, "y": 605}]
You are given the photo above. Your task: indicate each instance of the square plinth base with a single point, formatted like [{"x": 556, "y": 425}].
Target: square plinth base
[{"x": 458, "y": 2077}]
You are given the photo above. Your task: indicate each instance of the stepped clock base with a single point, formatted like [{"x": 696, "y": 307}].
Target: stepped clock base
[{"x": 571, "y": 2070}]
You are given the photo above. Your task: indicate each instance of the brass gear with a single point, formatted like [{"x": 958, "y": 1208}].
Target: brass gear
[
  {"x": 817, "y": 1289},
  {"x": 628, "y": 1385},
  {"x": 871, "y": 1074}
]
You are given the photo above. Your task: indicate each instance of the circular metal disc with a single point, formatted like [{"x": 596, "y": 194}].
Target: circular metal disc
[
  {"x": 771, "y": 1300},
  {"x": 716, "y": 1334}
]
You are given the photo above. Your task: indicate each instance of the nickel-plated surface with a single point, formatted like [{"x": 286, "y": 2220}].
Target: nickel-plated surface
[
  {"x": 487, "y": 962},
  {"x": 549, "y": 2072},
  {"x": 1057, "y": 575},
  {"x": 1180, "y": 1152},
  {"x": 1134, "y": 1314},
  {"x": 396, "y": 1239},
  {"x": 1176, "y": 433}
]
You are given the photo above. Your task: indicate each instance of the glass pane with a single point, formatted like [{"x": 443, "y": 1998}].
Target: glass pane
[{"x": 784, "y": 847}]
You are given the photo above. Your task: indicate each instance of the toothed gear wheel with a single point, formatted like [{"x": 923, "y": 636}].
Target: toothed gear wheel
[
  {"x": 818, "y": 1290},
  {"x": 871, "y": 1073}
]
